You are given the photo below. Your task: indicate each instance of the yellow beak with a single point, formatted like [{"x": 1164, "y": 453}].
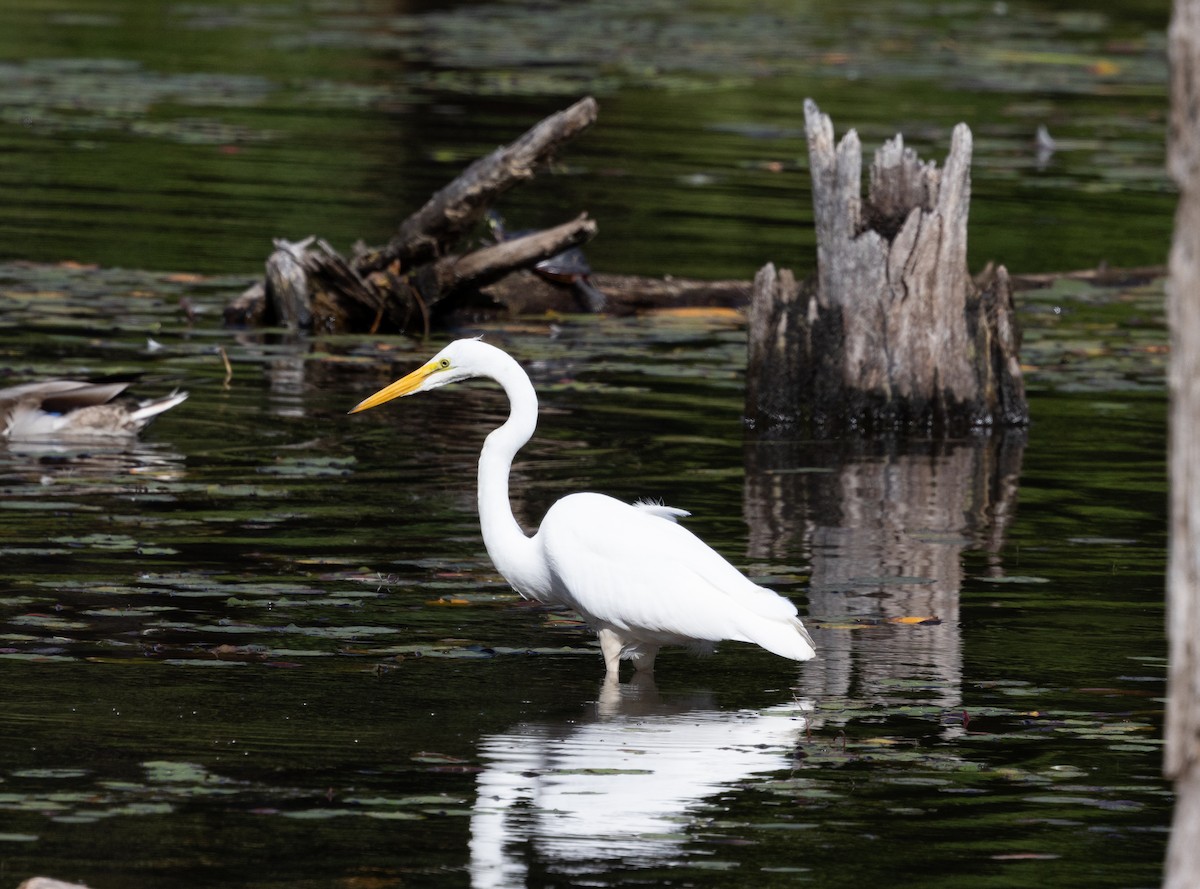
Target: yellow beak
[{"x": 403, "y": 386}]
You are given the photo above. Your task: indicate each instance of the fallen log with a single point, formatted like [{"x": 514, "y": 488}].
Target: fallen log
[
  {"x": 404, "y": 284},
  {"x": 527, "y": 293},
  {"x": 442, "y": 279},
  {"x": 452, "y": 213},
  {"x": 1103, "y": 275},
  {"x": 892, "y": 334}
]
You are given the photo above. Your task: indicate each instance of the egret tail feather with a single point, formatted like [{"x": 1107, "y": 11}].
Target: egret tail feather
[{"x": 788, "y": 639}]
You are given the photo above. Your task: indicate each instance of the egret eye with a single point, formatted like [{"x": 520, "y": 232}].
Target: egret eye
[{"x": 444, "y": 364}]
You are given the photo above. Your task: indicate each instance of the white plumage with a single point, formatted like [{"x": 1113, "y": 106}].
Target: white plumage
[{"x": 635, "y": 575}]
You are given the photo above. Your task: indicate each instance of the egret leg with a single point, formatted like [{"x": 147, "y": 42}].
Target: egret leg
[{"x": 611, "y": 645}]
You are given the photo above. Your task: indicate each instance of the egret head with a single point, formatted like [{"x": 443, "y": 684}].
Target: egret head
[{"x": 460, "y": 360}]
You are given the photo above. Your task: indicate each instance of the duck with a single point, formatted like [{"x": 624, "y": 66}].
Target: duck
[{"x": 57, "y": 410}]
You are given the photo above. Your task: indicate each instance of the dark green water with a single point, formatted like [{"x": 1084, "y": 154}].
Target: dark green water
[
  {"x": 265, "y": 646},
  {"x": 185, "y": 136}
]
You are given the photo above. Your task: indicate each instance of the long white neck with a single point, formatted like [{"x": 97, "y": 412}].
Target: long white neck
[{"x": 512, "y": 552}]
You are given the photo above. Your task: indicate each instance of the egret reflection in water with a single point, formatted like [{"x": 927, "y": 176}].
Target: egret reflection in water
[{"x": 619, "y": 788}]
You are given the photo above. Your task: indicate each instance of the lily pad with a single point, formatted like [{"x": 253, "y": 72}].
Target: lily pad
[{"x": 51, "y": 773}]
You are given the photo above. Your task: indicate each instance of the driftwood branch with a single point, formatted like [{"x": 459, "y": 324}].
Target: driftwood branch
[
  {"x": 525, "y": 292},
  {"x": 417, "y": 275},
  {"x": 443, "y": 278},
  {"x": 454, "y": 211},
  {"x": 287, "y": 282}
]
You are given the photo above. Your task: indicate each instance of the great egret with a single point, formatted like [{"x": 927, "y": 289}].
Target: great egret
[
  {"x": 54, "y": 410},
  {"x": 638, "y": 578}
]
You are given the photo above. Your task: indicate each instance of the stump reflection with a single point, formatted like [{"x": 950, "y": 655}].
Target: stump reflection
[{"x": 886, "y": 523}]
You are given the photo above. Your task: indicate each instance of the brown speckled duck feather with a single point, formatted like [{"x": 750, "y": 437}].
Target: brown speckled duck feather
[{"x": 53, "y": 410}]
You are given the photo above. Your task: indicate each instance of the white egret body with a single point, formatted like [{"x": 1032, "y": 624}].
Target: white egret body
[{"x": 638, "y": 578}]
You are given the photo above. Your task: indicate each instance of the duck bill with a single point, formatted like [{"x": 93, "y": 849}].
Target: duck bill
[{"x": 403, "y": 386}]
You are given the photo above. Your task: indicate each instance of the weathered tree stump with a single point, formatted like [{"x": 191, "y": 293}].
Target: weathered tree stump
[
  {"x": 1182, "y": 761},
  {"x": 893, "y": 334}
]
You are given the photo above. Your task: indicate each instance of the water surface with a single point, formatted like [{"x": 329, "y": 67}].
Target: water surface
[
  {"x": 185, "y": 136},
  {"x": 264, "y": 645}
]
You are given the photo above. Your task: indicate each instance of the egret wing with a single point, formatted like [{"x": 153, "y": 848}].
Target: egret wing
[{"x": 638, "y": 571}]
